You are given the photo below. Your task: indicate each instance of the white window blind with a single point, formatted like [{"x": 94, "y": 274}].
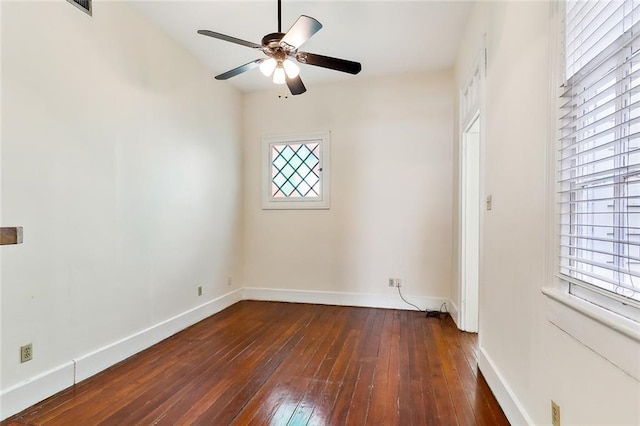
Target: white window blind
[{"x": 599, "y": 153}]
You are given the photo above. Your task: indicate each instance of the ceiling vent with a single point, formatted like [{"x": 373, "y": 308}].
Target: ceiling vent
[{"x": 84, "y": 5}]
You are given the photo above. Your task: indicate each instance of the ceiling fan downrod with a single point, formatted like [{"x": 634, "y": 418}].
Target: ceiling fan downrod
[{"x": 279, "y": 16}]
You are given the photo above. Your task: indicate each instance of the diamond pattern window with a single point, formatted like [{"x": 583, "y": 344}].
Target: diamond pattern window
[
  {"x": 295, "y": 174},
  {"x": 295, "y": 170}
]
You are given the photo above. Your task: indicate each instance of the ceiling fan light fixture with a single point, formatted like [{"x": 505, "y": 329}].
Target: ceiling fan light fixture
[
  {"x": 291, "y": 68},
  {"x": 279, "y": 76},
  {"x": 267, "y": 67}
]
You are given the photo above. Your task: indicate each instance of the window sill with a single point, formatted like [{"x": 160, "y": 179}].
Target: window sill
[
  {"x": 295, "y": 205},
  {"x": 613, "y": 337}
]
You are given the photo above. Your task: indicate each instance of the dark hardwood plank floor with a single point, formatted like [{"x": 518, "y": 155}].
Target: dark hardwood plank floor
[{"x": 258, "y": 363}]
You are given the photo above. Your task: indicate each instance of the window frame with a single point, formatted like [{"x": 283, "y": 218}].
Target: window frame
[
  {"x": 323, "y": 138},
  {"x": 573, "y": 286}
]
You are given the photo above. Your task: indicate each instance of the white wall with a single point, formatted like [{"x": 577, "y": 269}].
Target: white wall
[
  {"x": 531, "y": 360},
  {"x": 391, "y": 183},
  {"x": 121, "y": 157},
  {"x": 128, "y": 178}
]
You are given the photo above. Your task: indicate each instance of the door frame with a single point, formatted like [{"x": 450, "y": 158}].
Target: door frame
[
  {"x": 472, "y": 107},
  {"x": 470, "y": 226}
]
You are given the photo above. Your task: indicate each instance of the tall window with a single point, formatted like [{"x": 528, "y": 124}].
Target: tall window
[
  {"x": 599, "y": 154},
  {"x": 295, "y": 171}
]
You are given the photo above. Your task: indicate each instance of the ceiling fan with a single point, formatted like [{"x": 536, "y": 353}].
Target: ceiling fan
[{"x": 280, "y": 50}]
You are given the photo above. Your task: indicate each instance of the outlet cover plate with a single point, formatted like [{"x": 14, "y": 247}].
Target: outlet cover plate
[{"x": 26, "y": 353}]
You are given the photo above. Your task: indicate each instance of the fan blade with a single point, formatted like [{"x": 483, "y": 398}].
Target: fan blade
[
  {"x": 296, "y": 87},
  {"x": 329, "y": 62},
  {"x": 239, "y": 70},
  {"x": 229, "y": 38},
  {"x": 300, "y": 32}
]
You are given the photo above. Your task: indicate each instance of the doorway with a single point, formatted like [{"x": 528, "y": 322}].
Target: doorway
[{"x": 470, "y": 226}]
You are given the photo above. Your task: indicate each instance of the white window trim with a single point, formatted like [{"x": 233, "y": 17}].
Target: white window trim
[
  {"x": 321, "y": 202},
  {"x": 613, "y": 337}
]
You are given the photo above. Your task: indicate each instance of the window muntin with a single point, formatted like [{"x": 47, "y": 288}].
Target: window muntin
[
  {"x": 599, "y": 155},
  {"x": 295, "y": 171}
]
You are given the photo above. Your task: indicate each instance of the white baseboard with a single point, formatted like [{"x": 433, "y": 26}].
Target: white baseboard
[
  {"x": 94, "y": 362},
  {"x": 25, "y": 394},
  {"x": 453, "y": 311},
  {"x": 513, "y": 409},
  {"x": 392, "y": 301},
  {"x": 34, "y": 390}
]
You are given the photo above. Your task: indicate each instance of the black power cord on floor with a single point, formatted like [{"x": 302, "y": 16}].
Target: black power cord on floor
[{"x": 430, "y": 314}]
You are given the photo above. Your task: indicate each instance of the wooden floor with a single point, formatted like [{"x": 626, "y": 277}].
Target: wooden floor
[{"x": 289, "y": 364}]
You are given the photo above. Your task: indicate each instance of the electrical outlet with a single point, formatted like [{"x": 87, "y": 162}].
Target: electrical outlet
[
  {"x": 199, "y": 290},
  {"x": 26, "y": 353},
  {"x": 395, "y": 282},
  {"x": 555, "y": 414}
]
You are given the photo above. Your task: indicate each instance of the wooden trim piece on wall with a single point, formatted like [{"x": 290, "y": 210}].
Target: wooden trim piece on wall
[{"x": 11, "y": 235}]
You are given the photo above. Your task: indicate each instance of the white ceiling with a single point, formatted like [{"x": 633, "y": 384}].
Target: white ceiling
[{"x": 387, "y": 37}]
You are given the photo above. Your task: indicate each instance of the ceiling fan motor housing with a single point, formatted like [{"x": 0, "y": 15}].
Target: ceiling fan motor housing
[
  {"x": 272, "y": 47},
  {"x": 272, "y": 40}
]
